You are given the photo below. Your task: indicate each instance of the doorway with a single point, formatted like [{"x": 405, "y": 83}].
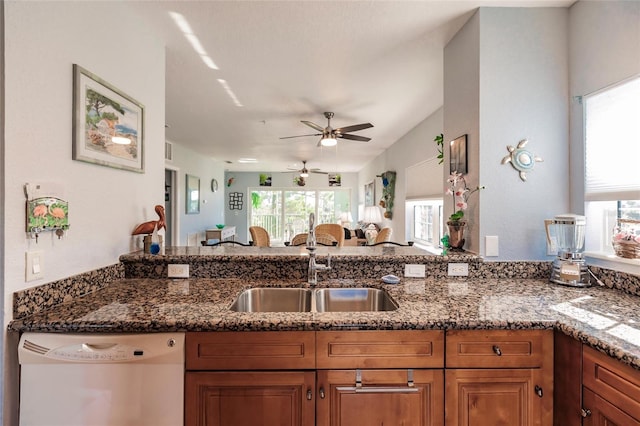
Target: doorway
[{"x": 170, "y": 203}]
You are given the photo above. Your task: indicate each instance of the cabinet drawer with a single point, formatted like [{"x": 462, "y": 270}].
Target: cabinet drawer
[
  {"x": 498, "y": 348},
  {"x": 257, "y": 350},
  {"x": 380, "y": 349},
  {"x": 612, "y": 380}
]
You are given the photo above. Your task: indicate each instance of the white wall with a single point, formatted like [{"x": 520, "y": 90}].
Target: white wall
[
  {"x": 186, "y": 161},
  {"x": 522, "y": 91},
  {"x": 462, "y": 116},
  {"x": 42, "y": 41},
  {"x": 414, "y": 147},
  {"x": 244, "y": 180}
]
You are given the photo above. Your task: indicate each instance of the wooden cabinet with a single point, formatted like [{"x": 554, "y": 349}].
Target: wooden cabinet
[
  {"x": 389, "y": 378},
  {"x": 380, "y": 349},
  {"x": 611, "y": 391},
  {"x": 250, "y": 379},
  {"x": 499, "y": 377},
  {"x": 380, "y": 397},
  {"x": 567, "y": 380},
  {"x": 283, "y": 398}
]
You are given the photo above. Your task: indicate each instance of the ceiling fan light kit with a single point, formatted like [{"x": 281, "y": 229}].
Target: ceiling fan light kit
[{"x": 330, "y": 136}]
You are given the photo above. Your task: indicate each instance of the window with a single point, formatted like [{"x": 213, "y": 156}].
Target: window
[
  {"x": 285, "y": 213},
  {"x": 426, "y": 226},
  {"x": 612, "y": 151}
]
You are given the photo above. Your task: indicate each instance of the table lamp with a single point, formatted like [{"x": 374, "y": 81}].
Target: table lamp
[{"x": 371, "y": 216}]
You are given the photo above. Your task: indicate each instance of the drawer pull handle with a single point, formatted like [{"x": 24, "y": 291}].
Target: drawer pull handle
[
  {"x": 309, "y": 394},
  {"x": 538, "y": 391},
  {"x": 377, "y": 389},
  {"x": 585, "y": 412},
  {"x": 497, "y": 350},
  {"x": 321, "y": 393}
]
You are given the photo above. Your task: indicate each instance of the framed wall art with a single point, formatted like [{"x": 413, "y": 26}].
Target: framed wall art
[
  {"x": 108, "y": 125},
  {"x": 369, "y": 193},
  {"x": 458, "y": 155}
]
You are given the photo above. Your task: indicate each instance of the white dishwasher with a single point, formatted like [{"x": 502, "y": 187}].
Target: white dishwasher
[{"x": 101, "y": 379}]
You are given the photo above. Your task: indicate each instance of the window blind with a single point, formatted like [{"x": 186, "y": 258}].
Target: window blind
[
  {"x": 425, "y": 180},
  {"x": 612, "y": 143}
]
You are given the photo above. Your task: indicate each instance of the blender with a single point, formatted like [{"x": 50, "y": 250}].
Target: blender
[{"x": 567, "y": 232}]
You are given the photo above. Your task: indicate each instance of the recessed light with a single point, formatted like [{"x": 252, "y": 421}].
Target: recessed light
[{"x": 247, "y": 160}]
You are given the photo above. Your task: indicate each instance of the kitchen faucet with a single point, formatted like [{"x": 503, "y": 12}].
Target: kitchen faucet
[{"x": 312, "y": 274}]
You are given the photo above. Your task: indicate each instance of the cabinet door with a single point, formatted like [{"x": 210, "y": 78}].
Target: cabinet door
[
  {"x": 603, "y": 413},
  {"x": 383, "y": 397},
  {"x": 494, "y": 397},
  {"x": 250, "y": 398}
]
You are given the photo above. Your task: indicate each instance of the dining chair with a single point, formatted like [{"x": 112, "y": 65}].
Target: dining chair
[
  {"x": 259, "y": 236},
  {"x": 334, "y": 229},
  {"x": 383, "y": 236},
  {"x": 321, "y": 239}
]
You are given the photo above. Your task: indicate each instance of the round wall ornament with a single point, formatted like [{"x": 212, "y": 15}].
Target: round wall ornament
[
  {"x": 214, "y": 185},
  {"x": 521, "y": 159}
]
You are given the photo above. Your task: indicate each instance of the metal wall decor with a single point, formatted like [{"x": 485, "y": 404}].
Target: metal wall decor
[
  {"x": 521, "y": 159},
  {"x": 235, "y": 200}
]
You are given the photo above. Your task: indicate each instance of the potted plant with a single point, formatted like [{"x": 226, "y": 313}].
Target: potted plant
[{"x": 460, "y": 192}]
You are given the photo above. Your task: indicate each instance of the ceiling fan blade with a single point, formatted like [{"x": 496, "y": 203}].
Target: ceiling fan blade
[
  {"x": 313, "y": 125},
  {"x": 318, "y": 172},
  {"x": 353, "y": 128},
  {"x": 301, "y": 136},
  {"x": 354, "y": 138}
]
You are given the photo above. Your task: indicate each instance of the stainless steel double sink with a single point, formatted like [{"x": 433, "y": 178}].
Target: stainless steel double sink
[{"x": 278, "y": 299}]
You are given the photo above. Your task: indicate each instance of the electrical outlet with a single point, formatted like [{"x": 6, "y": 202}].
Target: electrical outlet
[
  {"x": 458, "y": 269},
  {"x": 414, "y": 271},
  {"x": 178, "y": 271}
]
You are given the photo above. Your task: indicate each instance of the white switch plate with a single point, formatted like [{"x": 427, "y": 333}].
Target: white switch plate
[
  {"x": 458, "y": 269},
  {"x": 414, "y": 271},
  {"x": 491, "y": 246},
  {"x": 178, "y": 271},
  {"x": 34, "y": 268}
]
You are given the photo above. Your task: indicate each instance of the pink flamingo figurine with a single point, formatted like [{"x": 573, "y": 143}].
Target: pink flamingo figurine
[{"x": 148, "y": 227}]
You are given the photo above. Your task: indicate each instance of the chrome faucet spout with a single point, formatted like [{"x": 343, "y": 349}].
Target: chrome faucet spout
[{"x": 311, "y": 236}]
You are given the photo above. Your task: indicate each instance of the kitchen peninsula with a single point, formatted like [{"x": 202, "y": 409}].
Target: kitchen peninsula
[{"x": 513, "y": 298}]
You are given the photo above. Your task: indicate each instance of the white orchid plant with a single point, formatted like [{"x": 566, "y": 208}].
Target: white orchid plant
[{"x": 458, "y": 189}]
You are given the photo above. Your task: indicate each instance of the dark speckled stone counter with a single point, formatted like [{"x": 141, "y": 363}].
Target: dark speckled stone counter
[{"x": 601, "y": 317}]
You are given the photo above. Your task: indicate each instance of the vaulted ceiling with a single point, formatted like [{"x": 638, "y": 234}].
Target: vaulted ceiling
[{"x": 279, "y": 62}]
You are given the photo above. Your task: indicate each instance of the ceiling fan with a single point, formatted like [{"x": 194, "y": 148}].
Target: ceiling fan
[
  {"x": 330, "y": 136},
  {"x": 304, "y": 172}
]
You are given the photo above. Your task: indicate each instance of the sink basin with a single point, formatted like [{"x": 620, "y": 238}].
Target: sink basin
[
  {"x": 276, "y": 299},
  {"x": 273, "y": 300},
  {"x": 353, "y": 300}
]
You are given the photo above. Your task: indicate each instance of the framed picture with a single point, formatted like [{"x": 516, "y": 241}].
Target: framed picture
[
  {"x": 335, "y": 179},
  {"x": 192, "y": 194},
  {"x": 108, "y": 125},
  {"x": 369, "y": 193},
  {"x": 458, "y": 155}
]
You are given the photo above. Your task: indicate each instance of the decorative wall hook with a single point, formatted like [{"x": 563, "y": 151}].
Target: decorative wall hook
[{"x": 521, "y": 159}]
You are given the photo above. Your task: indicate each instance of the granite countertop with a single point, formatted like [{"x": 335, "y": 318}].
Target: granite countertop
[{"x": 604, "y": 318}]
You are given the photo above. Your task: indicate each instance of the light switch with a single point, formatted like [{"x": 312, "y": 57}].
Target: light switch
[
  {"x": 491, "y": 246},
  {"x": 34, "y": 267}
]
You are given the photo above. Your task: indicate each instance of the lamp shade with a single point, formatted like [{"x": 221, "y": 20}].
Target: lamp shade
[{"x": 372, "y": 215}]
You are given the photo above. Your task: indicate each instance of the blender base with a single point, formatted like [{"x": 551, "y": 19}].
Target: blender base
[{"x": 579, "y": 278}]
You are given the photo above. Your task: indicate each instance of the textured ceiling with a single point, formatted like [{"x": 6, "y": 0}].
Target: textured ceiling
[{"x": 366, "y": 61}]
